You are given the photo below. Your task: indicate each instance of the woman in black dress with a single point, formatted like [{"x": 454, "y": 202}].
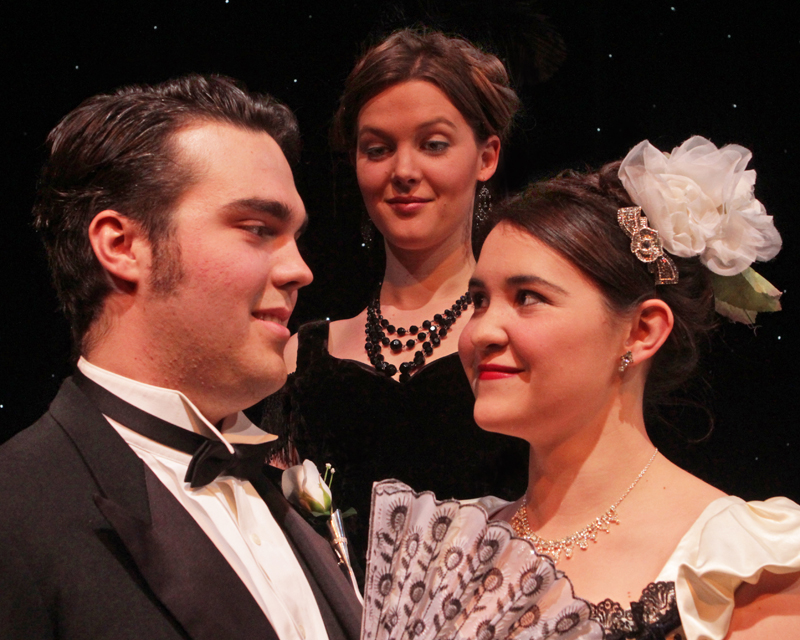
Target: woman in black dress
[{"x": 383, "y": 394}]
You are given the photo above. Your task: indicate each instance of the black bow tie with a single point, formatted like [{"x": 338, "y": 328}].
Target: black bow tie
[{"x": 210, "y": 458}]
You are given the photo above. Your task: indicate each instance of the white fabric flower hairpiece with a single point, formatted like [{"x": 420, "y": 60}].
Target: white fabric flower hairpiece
[{"x": 700, "y": 200}]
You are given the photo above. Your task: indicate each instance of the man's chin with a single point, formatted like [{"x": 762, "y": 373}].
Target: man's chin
[
  {"x": 250, "y": 386},
  {"x": 273, "y": 382}
]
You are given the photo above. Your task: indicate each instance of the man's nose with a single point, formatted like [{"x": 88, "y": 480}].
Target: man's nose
[{"x": 292, "y": 272}]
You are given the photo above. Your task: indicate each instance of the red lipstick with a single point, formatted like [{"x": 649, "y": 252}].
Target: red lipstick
[{"x": 496, "y": 371}]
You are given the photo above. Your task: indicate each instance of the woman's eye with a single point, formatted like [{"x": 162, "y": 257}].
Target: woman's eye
[
  {"x": 375, "y": 152},
  {"x": 479, "y": 299},
  {"x": 437, "y": 146},
  {"x": 525, "y": 298}
]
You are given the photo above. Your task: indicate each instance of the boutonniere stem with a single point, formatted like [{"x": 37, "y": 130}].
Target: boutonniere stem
[{"x": 311, "y": 495}]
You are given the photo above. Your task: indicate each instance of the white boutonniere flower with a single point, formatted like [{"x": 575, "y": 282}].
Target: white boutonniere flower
[
  {"x": 303, "y": 486},
  {"x": 310, "y": 492}
]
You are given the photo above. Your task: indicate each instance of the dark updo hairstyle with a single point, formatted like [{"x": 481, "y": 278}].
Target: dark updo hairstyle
[
  {"x": 475, "y": 82},
  {"x": 576, "y": 215}
]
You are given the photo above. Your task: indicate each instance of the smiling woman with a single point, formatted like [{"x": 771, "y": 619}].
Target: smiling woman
[
  {"x": 549, "y": 313},
  {"x": 382, "y": 394},
  {"x": 418, "y": 162},
  {"x": 583, "y": 314}
]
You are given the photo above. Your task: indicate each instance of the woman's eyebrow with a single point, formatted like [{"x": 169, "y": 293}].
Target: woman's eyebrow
[
  {"x": 535, "y": 280},
  {"x": 516, "y": 281},
  {"x": 377, "y": 131}
]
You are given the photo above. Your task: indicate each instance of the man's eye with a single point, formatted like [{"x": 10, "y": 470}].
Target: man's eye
[{"x": 259, "y": 230}]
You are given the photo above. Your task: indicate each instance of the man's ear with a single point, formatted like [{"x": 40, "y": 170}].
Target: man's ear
[
  {"x": 121, "y": 247},
  {"x": 490, "y": 156},
  {"x": 651, "y": 325}
]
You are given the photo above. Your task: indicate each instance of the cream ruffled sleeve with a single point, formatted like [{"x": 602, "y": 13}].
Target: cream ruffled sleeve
[{"x": 732, "y": 542}]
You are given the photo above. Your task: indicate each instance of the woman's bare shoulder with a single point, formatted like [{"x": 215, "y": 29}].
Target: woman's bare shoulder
[
  {"x": 348, "y": 326},
  {"x": 770, "y": 608},
  {"x": 346, "y": 337},
  {"x": 690, "y": 492},
  {"x": 339, "y": 332}
]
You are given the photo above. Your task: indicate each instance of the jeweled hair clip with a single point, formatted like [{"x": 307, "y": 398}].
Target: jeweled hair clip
[{"x": 646, "y": 245}]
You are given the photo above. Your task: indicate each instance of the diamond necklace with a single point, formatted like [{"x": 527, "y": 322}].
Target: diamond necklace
[{"x": 553, "y": 548}]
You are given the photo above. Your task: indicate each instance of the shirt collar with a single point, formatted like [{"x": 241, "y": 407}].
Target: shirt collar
[{"x": 174, "y": 407}]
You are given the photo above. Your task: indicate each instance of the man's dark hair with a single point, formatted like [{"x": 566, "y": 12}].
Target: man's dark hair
[{"x": 116, "y": 151}]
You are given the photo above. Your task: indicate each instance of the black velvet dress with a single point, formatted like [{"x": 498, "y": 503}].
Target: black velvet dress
[{"x": 370, "y": 427}]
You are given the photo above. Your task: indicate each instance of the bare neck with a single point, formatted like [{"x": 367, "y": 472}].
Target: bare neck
[
  {"x": 414, "y": 279},
  {"x": 574, "y": 480}
]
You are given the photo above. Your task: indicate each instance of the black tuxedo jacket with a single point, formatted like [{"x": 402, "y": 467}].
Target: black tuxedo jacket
[{"x": 92, "y": 545}]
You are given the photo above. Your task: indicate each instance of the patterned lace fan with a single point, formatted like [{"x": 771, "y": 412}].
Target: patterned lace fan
[{"x": 442, "y": 570}]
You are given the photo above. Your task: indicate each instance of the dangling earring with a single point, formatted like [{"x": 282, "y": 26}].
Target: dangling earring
[
  {"x": 367, "y": 233},
  {"x": 484, "y": 207},
  {"x": 624, "y": 361}
]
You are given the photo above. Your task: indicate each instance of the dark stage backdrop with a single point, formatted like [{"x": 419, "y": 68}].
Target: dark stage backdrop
[{"x": 634, "y": 69}]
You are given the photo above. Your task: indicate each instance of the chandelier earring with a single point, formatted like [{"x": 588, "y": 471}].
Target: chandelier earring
[
  {"x": 368, "y": 231},
  {"x": 484, "y": 206},
  {"x": 624, "y": 361}
]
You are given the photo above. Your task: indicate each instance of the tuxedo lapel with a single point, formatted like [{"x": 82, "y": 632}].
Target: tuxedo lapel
[
  {"x": 181, "y": 565},
  {"x": 117, "y": 471},
  {"x": 337, "y": 602},
  {"x": 185, "y": 570}
]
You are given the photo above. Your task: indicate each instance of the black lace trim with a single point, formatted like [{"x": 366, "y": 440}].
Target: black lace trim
[{"x": 653, "y": 617}]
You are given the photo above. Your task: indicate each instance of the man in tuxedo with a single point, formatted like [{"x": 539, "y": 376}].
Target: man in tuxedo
[{"x": 138, "y": 506}]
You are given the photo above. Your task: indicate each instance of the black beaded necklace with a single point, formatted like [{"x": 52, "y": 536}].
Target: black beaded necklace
[{"x": 430, "y": 336}]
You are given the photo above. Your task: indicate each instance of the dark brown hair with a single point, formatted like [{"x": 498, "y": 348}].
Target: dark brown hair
[
  {"x": 576, "y": 215},
  {"x": 116, "y": 151},
  {"x": 475, "y": 82}
]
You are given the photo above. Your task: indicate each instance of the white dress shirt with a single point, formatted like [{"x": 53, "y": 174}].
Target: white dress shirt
[{"x": 228, "y": 510}]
